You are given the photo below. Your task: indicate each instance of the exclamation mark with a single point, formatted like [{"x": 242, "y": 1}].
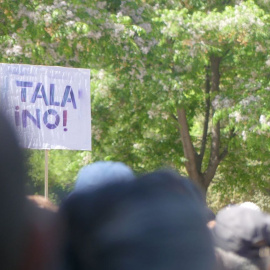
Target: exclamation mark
[
  {"x": 65, "y": 120},
  {"x": 17, "y": 116}
]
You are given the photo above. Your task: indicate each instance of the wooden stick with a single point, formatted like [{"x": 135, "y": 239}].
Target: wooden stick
[{"x": 46, "y": 173}]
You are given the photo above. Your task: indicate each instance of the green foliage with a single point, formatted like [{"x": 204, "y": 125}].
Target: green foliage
[
  {"x": 63, "y": 167},
  {"x": 147, "y": 59}
]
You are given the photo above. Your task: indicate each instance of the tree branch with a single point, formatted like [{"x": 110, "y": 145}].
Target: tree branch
[
  {"x": 215, "y": 144},
  {"x": 223, "y": 154},
  {"x": 226, "y": 149},
  {"x": 206, "y": 117},
  {"x": 226, "y": 52},
  {"x": 189, "y": 151},
  {"x": 174, "y": 117}
]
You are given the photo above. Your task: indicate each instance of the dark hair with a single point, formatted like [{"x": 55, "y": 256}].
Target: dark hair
[
  {"x": 136, "y": 225},
  {"x": 12, "y": 198},
  {"x": 172, "y": 180}
]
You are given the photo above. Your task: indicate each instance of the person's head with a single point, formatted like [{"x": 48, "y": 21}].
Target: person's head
[
  {"x": 136, "y": 225},
  {"x": 242, "y": 230},
  {"x": 227, "y": 260},
  {"x": 101, "y": 173},
  {"x": 46, "y": 228},
  {"x": 22, "y": 241},
  {"x": 13, "y": 213},
  {"x": 250, "y": 205},
  {"x": 171, "y": 179}
]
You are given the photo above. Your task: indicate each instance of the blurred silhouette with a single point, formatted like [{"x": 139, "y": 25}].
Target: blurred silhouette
[
  {"x": 170, "y": 179},
  {"x": 250, "y": 205},
  {"x": 47, "y": 227},
  {"x": 25, "y": 238},
  {"x": 13, "y": 211},
  {"x": 101, "y": 173},
  {"x": 43, "y": 203},
  {"x": 153, "y": 223},
  {"x": 242, "y": 237}
]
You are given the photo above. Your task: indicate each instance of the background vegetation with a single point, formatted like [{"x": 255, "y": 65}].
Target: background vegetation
[{"x": 179, "y": 84}]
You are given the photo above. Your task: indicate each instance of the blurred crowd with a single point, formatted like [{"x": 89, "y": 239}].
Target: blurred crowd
[{"x": 114, "y": 220}]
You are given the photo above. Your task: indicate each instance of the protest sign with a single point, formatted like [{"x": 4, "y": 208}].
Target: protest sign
[{"x": 49, "y": 107}]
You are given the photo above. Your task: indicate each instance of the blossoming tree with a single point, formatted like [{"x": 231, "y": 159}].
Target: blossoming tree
[{"x": 175, "y": 83}]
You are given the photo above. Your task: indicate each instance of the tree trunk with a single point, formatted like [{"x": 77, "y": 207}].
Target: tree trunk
[
  {"x": 189, "y": 151},
  {"x": 194, "y": 160},
  {"x": 214, "y": 159}
]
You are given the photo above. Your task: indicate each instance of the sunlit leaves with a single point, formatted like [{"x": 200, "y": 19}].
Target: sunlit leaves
[{"x": 147, "y": 59}]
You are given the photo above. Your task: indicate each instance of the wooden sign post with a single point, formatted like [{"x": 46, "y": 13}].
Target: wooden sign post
[{"x": 46, "y": 193}]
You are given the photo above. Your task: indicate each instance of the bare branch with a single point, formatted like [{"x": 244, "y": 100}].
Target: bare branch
[
  {"x": 174, "y": 117},
  {"x": 226, "y": 52},
  {"x": 215, "y": 144},
  {"x": 206, "y": 117},
  {"x": 223, "y": 154},
  {"x": 225, "y": 151}
]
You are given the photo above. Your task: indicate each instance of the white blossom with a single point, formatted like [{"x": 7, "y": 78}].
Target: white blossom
[
  {"x": 226, "y": 103},
  {"x": 118, "y": 28},
  {"x": 244, "y": 135},
  {"x": 245, "y": 102},
  {"x": 142, "y": 73},
  {"x": 155, "y": 111},
  {"x": 94, "y": 35},
  {"x": 147, "y": 27},
  {"x": 101, "y": 74},
  {"x": 140, "y": 10},
  {"x": 69, "y": 14},
  {"x": 28, "y": 54},
  {"x": 16, "y": 50},
  {"x": 101, "y": 5},
  {"x": 260, "y": 48},
  {"x": 103, "y": 90},
  {"x": 268, "y": 62},
  {"x": 156, "y": 7},
  {"x": 237, "y": 116},
  {"x": 165, "y": 116},
  {"x": 131, "y": 33},
  {"x": 262, "y": 119},
  {"x": 92, "y": 12},
  {"x": 151, "y": 114},
  {"x": 119, "y": 14},
  {"x": 71, "y": 36},
  {"x": 132, "y": 71},
  {"x": 139, "y": 41},
  {"x": 178, "y": 68},
  {"x": 79, "y": 47},
  {"x": 70, "y": 23},
  {"x": 47, "y": 18},
  {"x": 216, "y": 102},
  {"x": 136, "y": 146},
  {"x": 96, "y": 133},
  {"x": 145, "y": 50},
  {"x": 63, "y": 4}
]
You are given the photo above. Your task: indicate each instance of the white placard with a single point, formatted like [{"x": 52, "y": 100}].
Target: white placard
[{"x": 49, "y": 107}]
